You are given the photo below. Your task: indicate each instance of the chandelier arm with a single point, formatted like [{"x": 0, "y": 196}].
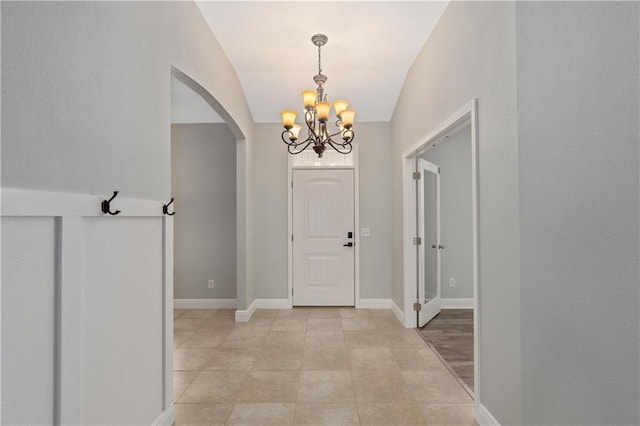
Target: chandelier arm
[
  {"x": 345, "y": 148},
  {"x": 342, "y": 134},
  {"x": 309, "y": 119},
  {"x": 288, "y": 134},
  {"x": 294, "y": 150},
  {"x": 307, "y": 141},
  {"x": 339, "y": 132},
  {"x": 335, "y": 145},
  {"x": 351, "y": 135},
  {"x": 295, "y": 143}
]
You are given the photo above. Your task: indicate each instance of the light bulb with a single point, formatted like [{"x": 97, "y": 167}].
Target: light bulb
[
  {"x": 288, "y": 118},
  {"x": 322, "y": 111},
  {"x": 340, "y": 106},
  {"x": 309, "y": 98},
  {"x": 295, "y": 132},
  {"x": 347, "y": 117}
]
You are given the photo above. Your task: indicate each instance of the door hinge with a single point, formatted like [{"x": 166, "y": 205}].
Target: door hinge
[
  {"x": 291, "y": 237},
  {"x": 417, "y": 241},
  {"x": 291, "y": 183},
  {"x": 416, "y": 175},
  {"x": 417, "y": 307}
]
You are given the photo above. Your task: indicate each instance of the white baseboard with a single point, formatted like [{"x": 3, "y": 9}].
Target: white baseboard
[
  {"x": 167, "y": 418},
  {"x": 273, "y": 304},
  {"x": 399, "y": 314},
  {"x": 204, "y": 303},
  {"x": 373, "y": 304},
  {"x": 244, "y": 316},
  {"x": 456, "y": 303},
  {"x": 484, "y": 417}
]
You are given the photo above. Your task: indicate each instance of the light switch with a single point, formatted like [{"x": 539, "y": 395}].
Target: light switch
[{"x": 364, "y": 232}]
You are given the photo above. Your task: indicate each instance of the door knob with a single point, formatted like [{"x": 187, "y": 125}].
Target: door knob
[
  {"x": 441, "y": 247},
  {"x": 348, "y": 245},
  {"x": 433, "y": 246}
]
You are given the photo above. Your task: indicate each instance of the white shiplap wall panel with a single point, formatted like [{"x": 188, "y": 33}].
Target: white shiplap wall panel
[
  {"x": 122, "y": 319},
  {"x": 86, "y": 310},
  {"x": 28, "y": 320}
]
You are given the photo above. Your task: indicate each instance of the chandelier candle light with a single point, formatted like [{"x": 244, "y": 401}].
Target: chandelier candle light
[{"x": 316, "y": 116}]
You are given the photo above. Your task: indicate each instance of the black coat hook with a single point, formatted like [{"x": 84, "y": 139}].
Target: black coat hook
[
  {"x": 106, "y": 205},
  {"x": 165, "y": 208}
]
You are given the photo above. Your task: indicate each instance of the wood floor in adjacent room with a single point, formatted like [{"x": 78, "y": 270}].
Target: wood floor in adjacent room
[{"x": 450, "y": 333}]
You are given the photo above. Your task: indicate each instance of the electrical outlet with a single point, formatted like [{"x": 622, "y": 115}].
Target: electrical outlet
[
  {"x": 365, "y": 232},
  {"x": 452, "y": 282},
  {"x": 211, "y": 284}
]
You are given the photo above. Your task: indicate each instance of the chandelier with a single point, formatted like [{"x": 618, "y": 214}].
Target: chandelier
[{"x": 316, "y": 117}]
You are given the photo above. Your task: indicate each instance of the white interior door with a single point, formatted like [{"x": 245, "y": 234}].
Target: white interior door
[
  {"x": 429, "y": 251},
  {"x": 323, "y": 230}
]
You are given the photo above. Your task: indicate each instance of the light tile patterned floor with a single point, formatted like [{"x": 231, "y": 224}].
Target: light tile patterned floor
[{"x": 310, "y": 366}]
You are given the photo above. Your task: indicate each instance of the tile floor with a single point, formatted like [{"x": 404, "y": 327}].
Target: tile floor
[{"x": 310, "y": 366}]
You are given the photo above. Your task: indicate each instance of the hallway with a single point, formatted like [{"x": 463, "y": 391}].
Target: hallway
[{"x": 310, "y": 366}]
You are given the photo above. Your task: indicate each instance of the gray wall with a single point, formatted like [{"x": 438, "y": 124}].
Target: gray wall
[
  {"x": 374, "y": 140},
  {"x": 203, "y": 181},
  {"x": 86, "y": 109},
  {"x": 558, "y": 177},
  {"x": 271, "y": 186},
  {"x": 270, "y": 241},
  {"x": 69, "y": 81},
  {"x": 471, "y": 53},
  {"x": 578, "y": 140},
  {"x": 453, "y": 156}
]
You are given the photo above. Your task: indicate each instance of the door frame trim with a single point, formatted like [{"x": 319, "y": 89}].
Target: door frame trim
[
  {"x": 356, "y": 223},
  {"x": 468, "y": 114}
]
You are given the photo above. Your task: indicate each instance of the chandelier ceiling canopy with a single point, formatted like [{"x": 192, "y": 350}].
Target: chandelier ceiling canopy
[{"x": 317, "y": 110}]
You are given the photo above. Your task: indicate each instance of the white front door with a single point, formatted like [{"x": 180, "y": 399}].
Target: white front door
[
  {"x": 323, "y": 231},
  {"x": 429, "y": 251}
]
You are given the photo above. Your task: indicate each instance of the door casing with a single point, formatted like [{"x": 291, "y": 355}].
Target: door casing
[{"x": 467, "y": 115}]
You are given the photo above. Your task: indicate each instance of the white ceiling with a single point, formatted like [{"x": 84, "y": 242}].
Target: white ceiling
[{"x": 370, "y": 49}]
